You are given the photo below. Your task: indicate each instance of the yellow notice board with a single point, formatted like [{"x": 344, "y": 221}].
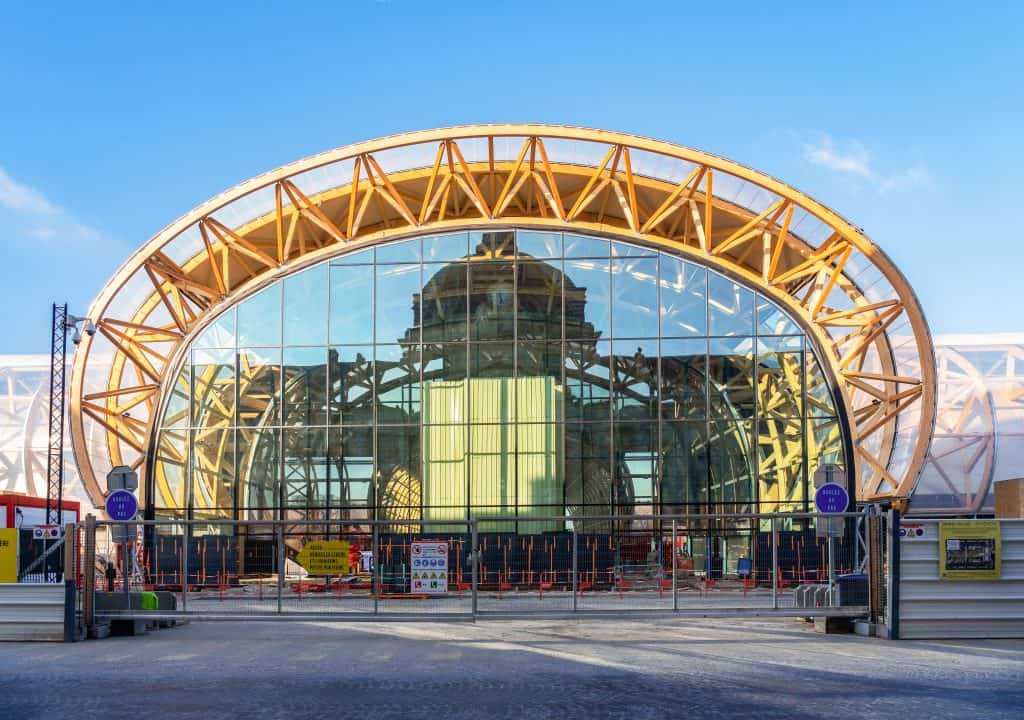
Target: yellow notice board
[
  {"x": 969, "y": 550},
  {"x": 8, "y": 555},
  {"x": 324, "y": 557}
]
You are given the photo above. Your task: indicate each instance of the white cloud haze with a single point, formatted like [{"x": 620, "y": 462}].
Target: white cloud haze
[
  {"x": 26, "y": 211},
  {"x": 853, "y": 159}
]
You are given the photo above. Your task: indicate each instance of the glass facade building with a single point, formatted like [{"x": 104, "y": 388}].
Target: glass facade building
[{"x": 508, "y": 374}]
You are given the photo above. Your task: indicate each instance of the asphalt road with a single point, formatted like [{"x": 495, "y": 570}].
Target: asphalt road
[{"x": 510, "y": 669}]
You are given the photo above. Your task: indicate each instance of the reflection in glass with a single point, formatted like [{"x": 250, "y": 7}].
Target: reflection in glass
[
  {"x": 487, "y": 381},
  {"x": 305, "y": 307},
  {"x": 730, "y": 307},
  {"x": 259, "y": 318},
  {"x": 635, "y": 297}
]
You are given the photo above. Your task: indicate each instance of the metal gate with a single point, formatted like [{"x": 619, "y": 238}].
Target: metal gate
[{"x": 687, "y": 565}]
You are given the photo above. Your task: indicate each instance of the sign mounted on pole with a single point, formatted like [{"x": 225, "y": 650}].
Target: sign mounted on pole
[
  {"x": 324, "y": 557},
  {"x": 429, "y": 561},
  {"x": 122, "y": 506}
]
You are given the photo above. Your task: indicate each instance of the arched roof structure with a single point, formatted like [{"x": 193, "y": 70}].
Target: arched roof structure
[{"x": 855, "y": 304}]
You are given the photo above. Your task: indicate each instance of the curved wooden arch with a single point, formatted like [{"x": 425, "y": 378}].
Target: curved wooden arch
[{"x": 855, "y": 304}]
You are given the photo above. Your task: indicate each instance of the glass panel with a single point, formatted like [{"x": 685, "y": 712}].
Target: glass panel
[
  {"x": 220, "y": 333},
  {"x": 398, "y": 470},
  {"x": 587, "y": 380},
  {"x": 397, "y": 296},
  {"x": 492, "y": 244},
  {"x": 684, "y": 482},
  {"x": 588, "y": 479},
  {"x": 626, "y": 250},
  {"x": 305, "y": 307},
  {"x": 636, "y": 379},
  {"x": 351, "y": 385},
  {"x": 539, "y": 484},
  {"x": 169, "y": 469},
  {"x": 406, "y": 251},
  {"x": 539, "y": 244},
  {"x": 305, "y": 386},
  {"x": 539, "y": 358},
  {"x": 362, "y": 257},
  {"x": 819, "y": 396},
  {"x": 731, "y": 377},
  {"x": 635, "y": 297},
  {"x": 259, "y": 386},
  {"x": 445, "y": 248},
  {"x": 305, "y": 468},
  {"x": 445, "y": 456},
  {"x": 779, "y": 376},
  {"x": 351, "y": 319},
  {"x": 444, "y": 299},
  {"x": 781, "y": 485},
  {"x": 771, "y": 320},
  {"x": 636, "y": 467},
  {"x": 444, "y": 361},
  {"x": 731, "y": 462},
  {"x": 587, "y": 309},
  {"x": 491, "y": 360},
  {"x": 213, "y": 472},
  {"x": 260, "y": 470},
  {"x": 351, "y": 473},
  {"x": 730, "y": 307},
  {"x": 492, "y": 473},
  {"x": 176, "y": 412},
  {"x": 683, "y": 298},
  {"x": 213, "y": 388},
  {"x": 684, "y": 378},
  {"x": 577, "y": 246},
  {"x": 824, "y": 444},
  {"x": 491, "y": 300},
  {"x": 259, "y": 319},
  {"x": 539, "y": 300},
  {"x": 398, "y": 384}
]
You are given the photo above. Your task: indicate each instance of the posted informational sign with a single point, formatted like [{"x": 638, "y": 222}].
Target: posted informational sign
[
  {"x": 831, "y": 497},
  {"x": 324, "y": 557},
  {"x": 969, "y": 550},
  {"x": 121, "y": 506},
  {"x": 429, "y": 561},
  {"x": 8, "y": 555},
  {"x": 911, "y": 531},
  {"x": 46, "y": 532}
]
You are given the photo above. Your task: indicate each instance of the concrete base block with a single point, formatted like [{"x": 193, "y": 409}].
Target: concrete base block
[
  {"x": 864, "y": 627},
  {"x": 832, "y": 625}
]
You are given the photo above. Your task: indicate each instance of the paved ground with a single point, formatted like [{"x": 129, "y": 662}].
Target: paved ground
[{"x": 537, "y": 669}]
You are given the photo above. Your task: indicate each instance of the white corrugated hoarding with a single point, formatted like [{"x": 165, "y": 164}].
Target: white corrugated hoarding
[{"x": 934, "y": 608}]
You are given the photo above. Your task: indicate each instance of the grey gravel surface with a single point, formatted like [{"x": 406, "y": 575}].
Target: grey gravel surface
[{"x": 595, "y": 668}]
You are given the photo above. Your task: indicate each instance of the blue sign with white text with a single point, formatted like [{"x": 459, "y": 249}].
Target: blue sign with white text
[
  {"x": 831, "y": 498},
  {"x": 122, "y": 505}
]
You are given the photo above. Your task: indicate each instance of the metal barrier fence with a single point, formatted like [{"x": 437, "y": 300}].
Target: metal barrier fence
[{"x": 730, "y": 564}]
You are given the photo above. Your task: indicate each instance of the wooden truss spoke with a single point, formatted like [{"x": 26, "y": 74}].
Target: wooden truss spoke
[
  {"x": 883, "y": 474},
  {"x": 751, "y": 229},
  {"x": 675, "y": 200},
  {"x": 907, "y": 399},
  {"x": 850, "y": 315},
  {"x": 234, "y": 241},
  {"x": 133, "y": 352},
  {"x": 379, "y": 179},
  {"x": 115, "y": 425},
  {"x": 310, "y": 211}
]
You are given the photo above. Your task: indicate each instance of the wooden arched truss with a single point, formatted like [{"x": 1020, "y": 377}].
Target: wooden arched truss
[{"x": 854, "y": 303}]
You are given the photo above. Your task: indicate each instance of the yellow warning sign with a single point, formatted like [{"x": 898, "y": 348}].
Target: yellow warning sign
[
  {"x": 8, "y": 555},
  {"x": 324, "y": 557}
]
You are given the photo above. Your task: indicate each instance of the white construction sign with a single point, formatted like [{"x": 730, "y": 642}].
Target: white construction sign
[{"x": 429, "y": 563}]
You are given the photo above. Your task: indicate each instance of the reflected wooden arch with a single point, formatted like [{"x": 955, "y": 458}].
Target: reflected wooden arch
[{"x": 544, "y": 184}]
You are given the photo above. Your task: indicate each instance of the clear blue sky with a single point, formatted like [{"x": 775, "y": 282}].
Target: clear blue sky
[{"x": 905, "y": 117}]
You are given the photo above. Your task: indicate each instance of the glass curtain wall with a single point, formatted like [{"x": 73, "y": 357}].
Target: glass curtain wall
[{"x": 506, "y": 374}]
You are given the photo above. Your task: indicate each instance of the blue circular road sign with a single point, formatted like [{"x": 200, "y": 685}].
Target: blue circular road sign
[
  {"x": 831, "y": 498},
  {"x": 122, "y": 505}
]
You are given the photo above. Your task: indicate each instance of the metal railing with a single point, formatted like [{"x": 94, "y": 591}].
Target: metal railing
[{"x": 698, "y": 565}]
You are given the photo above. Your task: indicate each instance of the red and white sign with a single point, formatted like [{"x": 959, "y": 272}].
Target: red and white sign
[{"x": 429, "y": 562}]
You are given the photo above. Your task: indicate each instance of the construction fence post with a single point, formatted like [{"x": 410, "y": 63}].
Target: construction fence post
[
  {"x": 89, "y": 575},
  {"x": 474, "y": 565}
]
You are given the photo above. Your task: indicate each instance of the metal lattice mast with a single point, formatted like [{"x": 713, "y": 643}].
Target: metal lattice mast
[{"x": 55, "y": 455}]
